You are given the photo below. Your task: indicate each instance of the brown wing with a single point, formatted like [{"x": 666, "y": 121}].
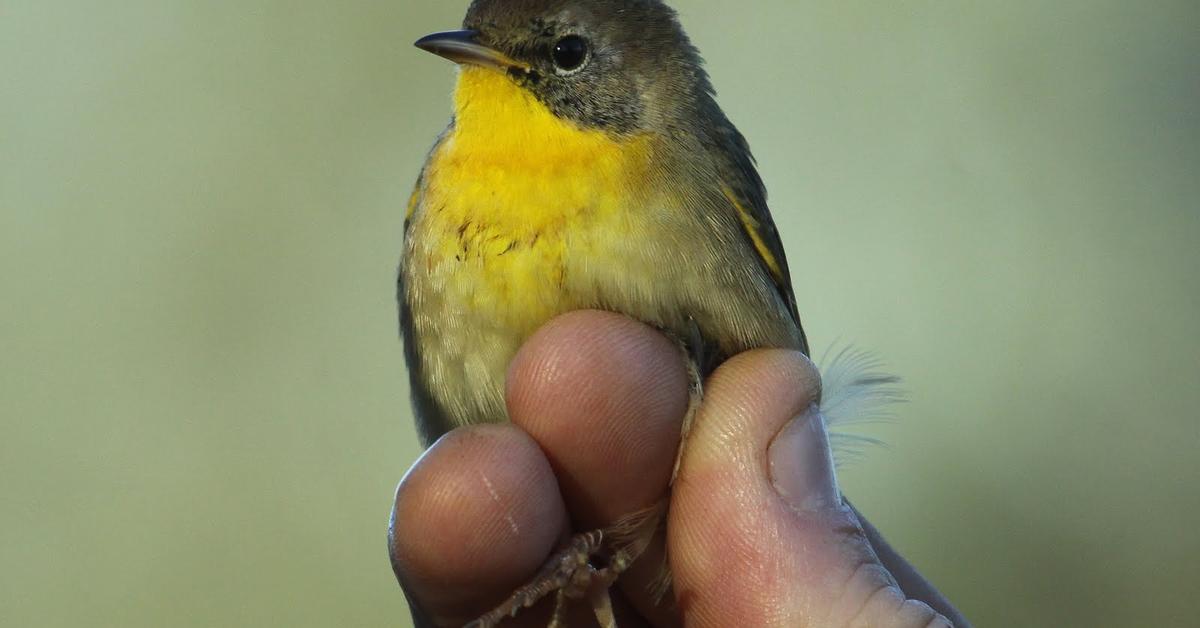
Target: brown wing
[{"x": 747, "y": 196}]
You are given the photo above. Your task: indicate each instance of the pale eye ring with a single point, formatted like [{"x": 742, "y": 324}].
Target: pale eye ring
[{"x": 570, "y": 54}]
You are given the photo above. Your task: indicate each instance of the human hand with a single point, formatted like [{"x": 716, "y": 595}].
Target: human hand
[{"x": 758, "y": 534}]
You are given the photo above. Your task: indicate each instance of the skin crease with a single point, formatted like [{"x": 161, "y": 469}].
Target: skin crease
[{"x": 593, "y": 439}]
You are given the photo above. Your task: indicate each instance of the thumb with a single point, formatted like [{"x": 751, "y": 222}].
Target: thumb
[{"x": 759, "y": 534}]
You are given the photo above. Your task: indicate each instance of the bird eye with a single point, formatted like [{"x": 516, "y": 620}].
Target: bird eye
[{"x": 569, "y": 53}]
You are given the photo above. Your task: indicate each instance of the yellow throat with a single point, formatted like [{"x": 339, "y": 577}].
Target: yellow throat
[{"x": 509, "y": 157}]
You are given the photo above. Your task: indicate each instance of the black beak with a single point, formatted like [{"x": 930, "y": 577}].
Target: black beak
[{"x": 464, "y": 47}]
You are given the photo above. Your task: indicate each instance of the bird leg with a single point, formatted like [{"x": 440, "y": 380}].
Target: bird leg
[{"x": 695, "y": 396}]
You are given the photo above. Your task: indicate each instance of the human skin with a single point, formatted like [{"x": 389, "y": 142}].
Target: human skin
[{"x": 758, "y": 532}]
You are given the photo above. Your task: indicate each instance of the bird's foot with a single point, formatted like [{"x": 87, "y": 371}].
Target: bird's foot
[{"x": 570, "y": 574}]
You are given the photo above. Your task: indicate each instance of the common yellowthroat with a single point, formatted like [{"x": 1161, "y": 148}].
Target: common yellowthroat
[{"x": 587, "y": 165}]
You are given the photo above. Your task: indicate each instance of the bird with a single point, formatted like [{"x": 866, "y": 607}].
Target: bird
[{"x": 587, "y": 165}]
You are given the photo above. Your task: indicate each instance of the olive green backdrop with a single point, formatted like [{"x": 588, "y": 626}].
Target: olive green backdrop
[{"x": 202, "y": 392}]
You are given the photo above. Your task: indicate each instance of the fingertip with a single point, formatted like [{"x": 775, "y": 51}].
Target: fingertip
[
  {"x": 581, "y": 357},
  {"x": 748, "y": 400},
  {"x": 473, "y": 518}
]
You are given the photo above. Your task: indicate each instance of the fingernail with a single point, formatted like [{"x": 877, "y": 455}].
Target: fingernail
[{"x": 801, "y": 464}]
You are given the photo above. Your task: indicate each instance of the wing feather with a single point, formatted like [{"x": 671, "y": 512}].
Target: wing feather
[{"x": 747, "y": 196}]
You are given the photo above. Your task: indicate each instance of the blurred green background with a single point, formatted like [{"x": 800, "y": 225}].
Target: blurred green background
[{"x": 203, "y": 400}]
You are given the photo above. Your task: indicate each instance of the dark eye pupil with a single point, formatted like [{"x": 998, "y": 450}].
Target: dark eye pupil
[{"x": 570, "y": 52}]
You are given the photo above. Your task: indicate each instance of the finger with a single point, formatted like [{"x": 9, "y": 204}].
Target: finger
[
  {"x": 604, "y": 396},
  {"x": 757, "y": 498},
  {"x": 473, "y": 518},
  {"x": 725, "y": 516}
]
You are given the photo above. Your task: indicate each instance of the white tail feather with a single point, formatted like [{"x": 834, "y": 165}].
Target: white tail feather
[{"x": 855, "y": 391}]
